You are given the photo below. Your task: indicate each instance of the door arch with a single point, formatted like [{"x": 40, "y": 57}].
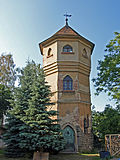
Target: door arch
[{"x": 69, "y": 136}]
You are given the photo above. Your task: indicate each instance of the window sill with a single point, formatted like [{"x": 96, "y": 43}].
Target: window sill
[
  {"x": 68, "y": 91},
  {"x": 67, "y": 53},
  {"x": 50, "y": 56}
]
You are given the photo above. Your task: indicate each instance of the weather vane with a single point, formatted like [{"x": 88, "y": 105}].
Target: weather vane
[{"x": 66, "y": 19}]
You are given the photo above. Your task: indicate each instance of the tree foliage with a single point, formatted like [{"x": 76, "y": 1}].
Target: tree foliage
[
  {"x": 5, "y": 95},
  {"x": 106, "y": 122},
  {"x": 7, "y": 80},
  {"x": 40, "y": 130},
  {"x": 108, "y": 77},
  {"x": 7, "y": 70},
  {"x": 12, "y": 137}
]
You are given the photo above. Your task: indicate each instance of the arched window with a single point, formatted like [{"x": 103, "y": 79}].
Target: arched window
[
  {"x": 84, "y": 53},
  {"x": 67, "y": 48},
  {"x": 67, "y": 83},
  {"x": 85, "y": 125},
  {"x": 49, "y": 51}
]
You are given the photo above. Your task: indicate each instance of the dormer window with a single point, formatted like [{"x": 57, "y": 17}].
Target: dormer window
[{"x": 67, "y": 48}]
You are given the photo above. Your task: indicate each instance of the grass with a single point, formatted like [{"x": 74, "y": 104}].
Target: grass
[
  {"x": 5, "y": 158},
  {"x": 74, "y": 157},
  {"x": 1, "y": 152},
  {"x": 59, "y": 157}
]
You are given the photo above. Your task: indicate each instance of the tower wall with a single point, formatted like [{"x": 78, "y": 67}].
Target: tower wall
[{"x": 74, "y": 105}]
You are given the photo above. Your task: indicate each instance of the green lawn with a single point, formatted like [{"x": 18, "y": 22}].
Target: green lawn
[
  {"x": 73, "y": 157},
  {"x": 59, "y": 157}
]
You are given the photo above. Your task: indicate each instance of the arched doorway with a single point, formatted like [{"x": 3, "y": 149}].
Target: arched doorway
[{"x": 69, "y": 136}]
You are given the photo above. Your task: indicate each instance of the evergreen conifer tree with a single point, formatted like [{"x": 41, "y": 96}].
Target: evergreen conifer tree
[
  {"x": 11, "y": 135},
  {"x": 40, "y": 131},
  {"x": 12, "y": 138}
]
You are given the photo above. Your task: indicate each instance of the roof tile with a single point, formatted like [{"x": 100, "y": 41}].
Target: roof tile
[{"x": 66, "y": 30}]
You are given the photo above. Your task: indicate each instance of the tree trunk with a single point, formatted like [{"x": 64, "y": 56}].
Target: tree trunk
[
  {"x": 41, "y": 156},
  {"x": 1, "y": 125},
  {"x": 36, "y": 156}
]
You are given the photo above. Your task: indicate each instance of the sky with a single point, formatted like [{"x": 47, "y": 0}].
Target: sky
[{"x": 26, "y": 23}]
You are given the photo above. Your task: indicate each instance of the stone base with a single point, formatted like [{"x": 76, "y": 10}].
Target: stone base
[
  {"x": 41, "y": 156},
  {"x": 84, "y": 141}
]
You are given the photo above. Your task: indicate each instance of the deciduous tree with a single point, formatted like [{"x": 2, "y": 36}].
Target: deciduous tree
[
  {"x": 7, "y": 80},
  {"x": 7, "y": 70},
  {"x": 108, "y": 77},
  {"x": 106, "y": 122},
  {"x": 5, "y": 95}
]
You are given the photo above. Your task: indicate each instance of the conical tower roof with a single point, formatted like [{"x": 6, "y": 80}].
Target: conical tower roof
[{"x": 65, "y": 32}]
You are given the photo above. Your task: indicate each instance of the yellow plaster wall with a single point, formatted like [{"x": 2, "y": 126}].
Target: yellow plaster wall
[
  {"x": 66, "y": 108},
  {"x": 68, "y": 57},
  {"x": 48, "y": 60},
  {"x": 80, "y": 50},
  {"x": 85, "y": 97},
  {"x": 67, "y": 111},
  {"x": 52, "y": 81},
  {"x": 83, "y": 79}
]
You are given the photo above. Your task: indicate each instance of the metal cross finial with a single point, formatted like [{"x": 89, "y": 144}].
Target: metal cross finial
[{"x": 66, "y": 19}]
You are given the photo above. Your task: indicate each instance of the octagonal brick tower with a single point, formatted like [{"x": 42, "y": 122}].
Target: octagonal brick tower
[{"x": 67, "y": 65}]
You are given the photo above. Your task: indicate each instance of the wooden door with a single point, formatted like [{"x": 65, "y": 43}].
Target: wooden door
[{"x": 69, "y": 136}]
